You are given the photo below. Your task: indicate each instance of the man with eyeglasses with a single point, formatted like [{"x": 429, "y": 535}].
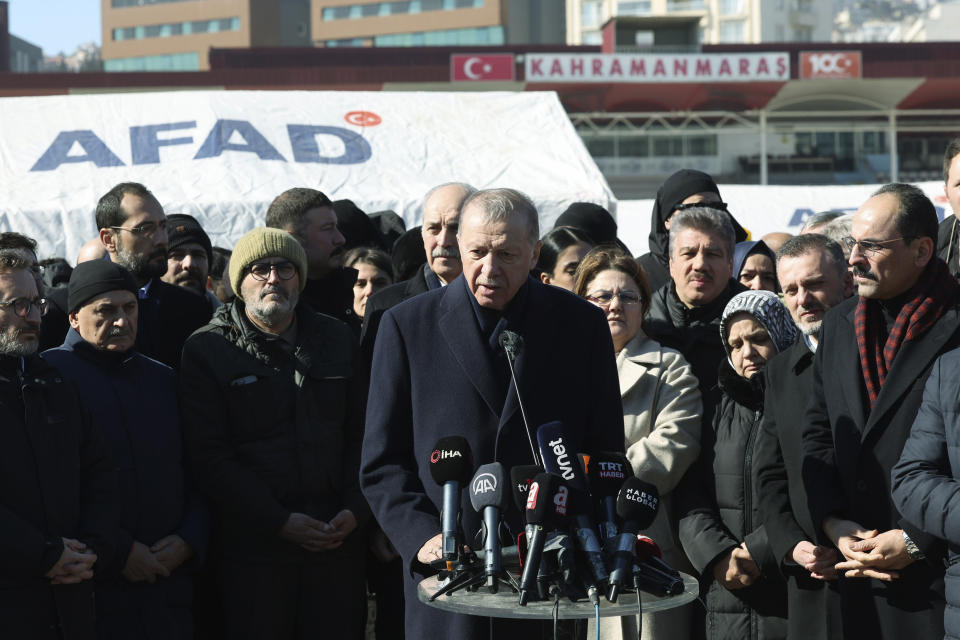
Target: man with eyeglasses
[
  {"x": 133, "y": 400},
  {"x": 133, "y": 230},
  {"x": 873, "y": 357},
  {"x": 271, "y": 398},
  {"x": 58, "y": 489}
]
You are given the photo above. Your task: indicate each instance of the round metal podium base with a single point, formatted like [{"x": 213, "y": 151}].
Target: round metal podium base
[{"x": 503, "y": 604}]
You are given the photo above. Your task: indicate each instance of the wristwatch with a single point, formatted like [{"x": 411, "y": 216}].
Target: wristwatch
[{"x": 912, "y": 549}]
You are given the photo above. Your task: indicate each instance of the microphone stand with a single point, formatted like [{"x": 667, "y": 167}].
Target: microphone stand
[{"x": 511, "y": 342}]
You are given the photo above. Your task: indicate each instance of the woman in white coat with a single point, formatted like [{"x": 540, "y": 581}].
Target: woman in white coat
[{"x": 661, "y": 414}]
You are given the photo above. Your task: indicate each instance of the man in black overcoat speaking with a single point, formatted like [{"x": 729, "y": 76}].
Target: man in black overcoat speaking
[
  {"x": 874, "y": 355},
  {"x": 438, "y": 371}
]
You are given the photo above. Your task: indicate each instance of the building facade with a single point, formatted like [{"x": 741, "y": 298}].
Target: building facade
[
  {"x": 176, "y": 35},
  {"x": 714, "y": 21},
  {"x": 418, "y": 23}
]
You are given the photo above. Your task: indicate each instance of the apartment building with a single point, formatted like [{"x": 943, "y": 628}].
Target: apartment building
[
  {"x": 418, "y": 23},
  {"x": 711, "y": 21},
  {"x": 176, "y": 35}
]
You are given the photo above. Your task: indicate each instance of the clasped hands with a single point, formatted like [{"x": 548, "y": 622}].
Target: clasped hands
[
  {"x": 315, "y": 535},
  {"x": 145, "y": 564},
  {"x": 867, "y": 553}
]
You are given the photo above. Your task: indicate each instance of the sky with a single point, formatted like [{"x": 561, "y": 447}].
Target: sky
[{"x": 55, "y": 25}]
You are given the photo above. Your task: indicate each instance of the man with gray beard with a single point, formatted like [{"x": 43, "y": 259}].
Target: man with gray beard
[
  {"x": 133, "y": 230},
  {"x": 271, "y": 399},
  {"x": 58, "y": 519}
]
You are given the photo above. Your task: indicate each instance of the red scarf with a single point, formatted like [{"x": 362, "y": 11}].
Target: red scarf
[{"x": 933, "y": 293}]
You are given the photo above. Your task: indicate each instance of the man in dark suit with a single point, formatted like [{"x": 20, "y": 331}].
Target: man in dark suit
[
  {"x": 441, "y": 217},
  {"x": 133, "y": 230},
  {"x": 438, "y": 371},
  {"x": 874, "y": 355},
  {"x": 814, "y": 276}
]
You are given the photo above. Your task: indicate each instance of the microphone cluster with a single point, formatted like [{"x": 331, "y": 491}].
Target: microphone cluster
[{"x": 582, "y": 517}]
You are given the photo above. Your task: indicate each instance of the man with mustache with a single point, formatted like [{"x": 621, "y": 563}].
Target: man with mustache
[
  {"x": 441, "y": 219},
  {"x": 813, "y": 272},
  {"x": 133, "y": 402},
  {"x": 874, "y": 355},
  {"x": 308, "y": 215},
  {"x": 438, "y": 370},
  {"x": 189, "y": 257},
  {"x": 133, "y": 230},
  {"x": 685, "y": 313},
  {"x": 58, "y": 487},
  {"x": 271, "y": 398}
]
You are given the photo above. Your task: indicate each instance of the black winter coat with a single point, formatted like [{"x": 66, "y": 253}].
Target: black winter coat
[
  {"x": 849, "y": 453},
  {"x": 167, "y": 317},
  {"x": 782, "y": 498},
  {"x": 387, "y": 298},
  {"x": 270, "y": 432},
  {"x": 717, "y": 505},
  {"x": 56, "y": 481},
  {"x": 925, "y": 481},
  {"x": 695, "y": 333},
  {"x": 332, "y": 295}
]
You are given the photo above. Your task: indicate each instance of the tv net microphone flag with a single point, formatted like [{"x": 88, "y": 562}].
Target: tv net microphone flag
[
  {"x": 451, "y": 466},
  {"x": 560, "y": 457}
]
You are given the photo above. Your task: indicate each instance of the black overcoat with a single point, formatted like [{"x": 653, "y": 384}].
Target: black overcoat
[
  {"x": 849, "y": 452},
  {"x": 781, "y": 495},
  {"x": 435, "y": 375}
]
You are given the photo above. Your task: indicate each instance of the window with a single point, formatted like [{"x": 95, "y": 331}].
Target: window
[
  {"x": 731, "y": 31},
  {"x": 702, "y": 145},
  {"x": 667, "y": 146},
  {"x": 175, "y": 29},
  {"x": 601, "y": 147},
  {"x": 377, "y": 9},
  {"x": 686, "y": 5},
  {"x": 119, "y": 4},
  {"x": 591, "y": 14},
  {"x": 634, "y": 147},
  {"x": 634, "y": 8},
  {"x": 348, "y": 42},
  {"x": 448, "y": 37},
  {"x": 592, "y": 38},
  {"x": 731, "y": 7},
  {"x": 171, "y": 62}
]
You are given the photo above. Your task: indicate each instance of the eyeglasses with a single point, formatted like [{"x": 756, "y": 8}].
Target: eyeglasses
[
  {"x": 147, "y": 229},
  {"x": 868, "y": 247},
  {"x": 23, "y": 306},
  {"x": 719, "y": 206},
  {"x": 261, "y": 270},
  {"x": 604, "y": 298}
]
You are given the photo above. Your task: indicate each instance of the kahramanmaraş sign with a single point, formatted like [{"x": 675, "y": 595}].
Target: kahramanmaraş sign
[{"x": 706, "y": 67}]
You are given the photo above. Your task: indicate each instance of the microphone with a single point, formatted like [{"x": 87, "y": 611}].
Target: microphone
[
  {"x": 649, "y": 551},
  {"x": 561, "y": 459},
  {"x": 488, "y": 495},
  {"x": 521, "y": 477},
  {"x": 608, "y": 471},
  {"x": 637, "y": 505},
  {"x": 451, "y": 464},
  {"x": 512, "y": 344},
  {"x": 546, "y": 508}
]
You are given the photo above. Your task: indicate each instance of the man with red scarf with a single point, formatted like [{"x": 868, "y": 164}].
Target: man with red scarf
[{"x": 875, "y": 353}]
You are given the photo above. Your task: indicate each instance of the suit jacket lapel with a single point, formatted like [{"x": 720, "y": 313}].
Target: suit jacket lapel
[
  {"x": 458, "y": 325},
  {"x": 910, "y": 362},
  {"x": 851, "y": 377}
]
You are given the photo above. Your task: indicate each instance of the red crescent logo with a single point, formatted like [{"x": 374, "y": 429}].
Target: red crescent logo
[{"x": 363, "y": 118}]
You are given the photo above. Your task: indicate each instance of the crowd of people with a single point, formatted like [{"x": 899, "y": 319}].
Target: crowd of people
[{"x": 202, "y": 442}]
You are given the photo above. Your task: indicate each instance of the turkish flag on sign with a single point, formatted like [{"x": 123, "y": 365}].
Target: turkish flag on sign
[{"x": 469, "y": 68}]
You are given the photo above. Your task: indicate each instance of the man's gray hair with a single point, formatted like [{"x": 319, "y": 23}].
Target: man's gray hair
[
  {"x": 839, "y": 228},
  {"x": 499, "y": 205},
  {"x": 814, "y": 242},
  {"x": 820, "y": 219},
  {"x": 705, "y": 220},
  {"x": 468, "y": 190}
]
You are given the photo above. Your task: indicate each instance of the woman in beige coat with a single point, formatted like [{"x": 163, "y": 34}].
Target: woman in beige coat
[{"x": 661, "y": 414}]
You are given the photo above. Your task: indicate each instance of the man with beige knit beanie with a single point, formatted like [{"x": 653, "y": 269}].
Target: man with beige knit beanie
[{"x": 271, "y": 403}]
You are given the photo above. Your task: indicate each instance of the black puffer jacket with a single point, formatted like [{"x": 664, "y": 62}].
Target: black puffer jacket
[
  {"x": 717, "y": 505},
  {"x": 270, "y": 432}
]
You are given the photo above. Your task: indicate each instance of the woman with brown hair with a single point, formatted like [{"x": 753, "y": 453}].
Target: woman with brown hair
[{"x": 661, "y": 411}]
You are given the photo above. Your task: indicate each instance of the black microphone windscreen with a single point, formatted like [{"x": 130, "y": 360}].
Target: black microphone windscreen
[
  {"x": 520, "y": 478},
  {"x": 489, "y": 487},
  {"x": 559, "y": 455},
  {"x": 511, "y": 342},
  {"x": 638, "y": 502},
  {"x": 608, "y": 471},
  {"x": 547, "y": 500},
  {"x": 451, "y": 460}
]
